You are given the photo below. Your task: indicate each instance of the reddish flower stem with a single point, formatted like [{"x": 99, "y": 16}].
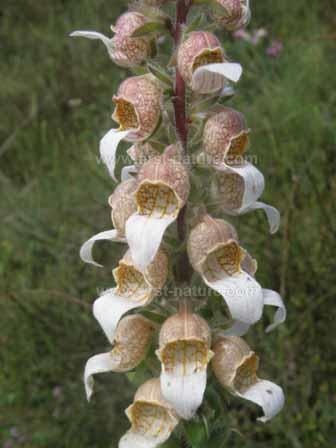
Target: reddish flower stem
[{"x": 181, "y": 123}]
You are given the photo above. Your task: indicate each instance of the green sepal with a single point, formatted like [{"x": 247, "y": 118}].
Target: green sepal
[
  {"x": 194, "y": 24},
  {"x": 150, "y": 27},
  {"x": 160, "y": 73},
  {"x": 196, "y": 433}
]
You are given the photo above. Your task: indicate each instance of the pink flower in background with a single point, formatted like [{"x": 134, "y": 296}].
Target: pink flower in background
[
  {"x": 253, "y": 38},
  {"x": 241, "y": 34},
  {"x": 275, "y": 49}
]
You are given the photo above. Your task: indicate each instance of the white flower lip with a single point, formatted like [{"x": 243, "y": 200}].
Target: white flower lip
[
  {"x": 144, "y": 235},
  {"x": 108, "y": 148},
  {"x": 211, "y": 77},
  {"x": 268, "y": 396},
  {"x": 86, "y": 249},
  {"x": 243, "y": 295},
  {"x": 254, "y": 185},
  {"x": 183, "y": 383}
]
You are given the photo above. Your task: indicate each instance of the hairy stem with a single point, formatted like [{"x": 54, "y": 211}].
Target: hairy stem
[{"x": 181, "y": 123}]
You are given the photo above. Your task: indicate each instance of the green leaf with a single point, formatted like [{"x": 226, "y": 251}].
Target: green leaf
[
  {"x": 196, "y": 433},
  {"x": 160, "y": 73},
  {"x": 195, "y": 23},
  {"x": 158, "y": 318},
  {"x": 150, "y": 27}
]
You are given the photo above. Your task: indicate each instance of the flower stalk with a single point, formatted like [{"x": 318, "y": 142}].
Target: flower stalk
[
  {"x": 181, "y": 123},
  {"x": 153, "y": 114}
]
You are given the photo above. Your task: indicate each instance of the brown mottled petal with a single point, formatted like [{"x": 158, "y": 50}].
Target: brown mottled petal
[
  {"x": 214, "y": 252},
  {"x": 243, "y": 199},
  {"x": 138, "y": 106},
  {"x": 124, "y": 50},
  {"x": 123, "y": 205},
  {"x": 232, "y": 14},
  {"x": 140, "y": 153},
  {"x": 225, "y": 137},
  {"x": 163, "y": 188},
  {"x": 151, "y": 417},
  {"x": 132, "y": 339},
  {"x": 134, "y": 290},
  {"x": 230, "y": 353},
  {"x": 198, "y": 49},
  {"x": 206, "y": 236},
  {"x": 235, "y": 367}
]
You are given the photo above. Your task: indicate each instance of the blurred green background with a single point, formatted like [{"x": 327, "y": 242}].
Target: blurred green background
[{"x": 55, "y": 99}]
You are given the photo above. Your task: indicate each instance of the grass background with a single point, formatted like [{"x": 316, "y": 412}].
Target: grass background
[{"x": 55, "y": 100}]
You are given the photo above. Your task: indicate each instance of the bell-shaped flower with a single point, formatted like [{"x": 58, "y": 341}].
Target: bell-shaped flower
[
  {"x": 185, "y": 342},
  {"x": 134, "y": 289},
  {"x": 202, "y": 63},
  {"x": 124, "y": 50},
  {"x": 232, "y": 14},
  {"x": 215, "y": 253},
  {"x": 235, "y": 366},
  {"x": 138, "y": 113},
  {"x": 240, "y": 184},
  {"x": 152, "y": 418},
  {"x": 132, "y": 340},
  {"x": 163, "y": 189},
  {"x": 123, "y": 205}
]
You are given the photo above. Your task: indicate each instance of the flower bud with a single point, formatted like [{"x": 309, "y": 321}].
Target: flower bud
[
  {"x": 140, "y": 153},
  {"x": 124, "y": 50},
  {"x": 225, "y": 137},
  {"x": 122, "y": 202},
  {"x": 235, "y": 366},
  {"x": 163, "y": 189},
  {"x": 184, "y": 352},
  {"x": 232, "y": 14},
  {"x": 152, "y": 418},
  {"x": 138, "y": 106},
  {"x": 200, "y": 48},
  {"x": 132, "y": 340}
]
